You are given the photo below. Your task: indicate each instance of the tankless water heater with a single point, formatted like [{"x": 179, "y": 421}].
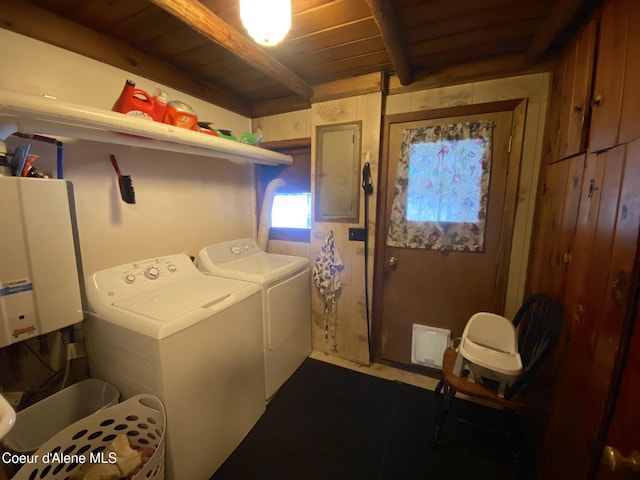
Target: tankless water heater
[{"x": 39, "y": 258}]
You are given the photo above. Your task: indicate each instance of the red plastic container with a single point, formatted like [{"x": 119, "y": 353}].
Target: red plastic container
[{"x": 139, "y": 103}]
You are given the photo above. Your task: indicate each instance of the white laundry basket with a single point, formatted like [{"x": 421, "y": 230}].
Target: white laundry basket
[
  {"x": 38, "y": 423},
  {"x": 141, "y": 418}
]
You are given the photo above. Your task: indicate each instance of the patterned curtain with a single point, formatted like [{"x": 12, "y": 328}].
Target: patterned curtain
[{"x": 441, "y": 188}]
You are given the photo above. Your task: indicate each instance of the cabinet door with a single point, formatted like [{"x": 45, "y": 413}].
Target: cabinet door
[
  {"x": 585, "y": 47},
  {"x": 607, "y": 96},
  {"x": 556, "y": 226},
  {"x": 629, "y": 118},
  {"x": 581, "y": 394},
  {"x": 565, "y": 98}
]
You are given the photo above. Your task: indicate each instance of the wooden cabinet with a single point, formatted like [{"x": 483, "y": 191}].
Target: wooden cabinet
[
  {"x": 595, "y": 300},
  {"x": 571, "y": 96},
  {"x": 608, "y": 88},
  {"x": 586, "y": 240},
  {"x": 579, "y": 107},
  {"x": 556, "y": 225},
  {"x": 629, "y": 118}
]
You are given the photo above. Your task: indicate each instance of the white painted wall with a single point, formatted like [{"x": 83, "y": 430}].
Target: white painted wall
[{"x": 183, "y": 202}]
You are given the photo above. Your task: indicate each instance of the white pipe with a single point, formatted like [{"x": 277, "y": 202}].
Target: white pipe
[{"x": 265, "y": 213}]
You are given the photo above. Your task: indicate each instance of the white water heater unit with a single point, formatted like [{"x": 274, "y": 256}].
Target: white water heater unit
[{"x": 39, "y": 258}]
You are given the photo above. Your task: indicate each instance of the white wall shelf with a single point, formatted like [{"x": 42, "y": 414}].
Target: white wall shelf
[{"x": 31, "y": 114}]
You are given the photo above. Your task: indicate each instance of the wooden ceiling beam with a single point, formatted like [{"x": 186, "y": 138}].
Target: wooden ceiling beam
[
  {"x": 558, "y": 19},
  {"x": 203, "y": 20},
  {"x": 385, "y": 17},
  {"x": 23, "y": 17}
]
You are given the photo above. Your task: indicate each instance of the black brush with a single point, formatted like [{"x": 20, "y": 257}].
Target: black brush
[{"x": 125, "y": 183}]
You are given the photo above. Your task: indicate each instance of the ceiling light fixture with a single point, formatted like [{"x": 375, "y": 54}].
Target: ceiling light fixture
[{"x": 267, "y": 21}]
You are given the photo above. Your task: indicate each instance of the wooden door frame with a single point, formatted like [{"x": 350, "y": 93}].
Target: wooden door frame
[{"x": 519, "y": 108}]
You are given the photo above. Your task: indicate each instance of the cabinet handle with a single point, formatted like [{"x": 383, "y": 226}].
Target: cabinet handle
[
  {"x": 577, "y": 108},
  {"x": 595, "y": 101},
  {"x": 615, "y": 461}
]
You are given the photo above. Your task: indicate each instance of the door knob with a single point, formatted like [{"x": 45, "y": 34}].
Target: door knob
[
  {"x": 393, "y": 262},
  {"x": 615, "y": 461}
]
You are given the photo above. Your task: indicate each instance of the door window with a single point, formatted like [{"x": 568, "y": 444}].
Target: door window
[{"x": 441, "y": 187}]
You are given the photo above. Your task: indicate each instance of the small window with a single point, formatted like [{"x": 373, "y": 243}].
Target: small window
[{"x": 291, "y": 210}]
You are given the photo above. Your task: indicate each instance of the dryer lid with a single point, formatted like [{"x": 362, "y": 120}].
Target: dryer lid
[
  {"x": 261, "y": 268},
  {"x": 244, "y": 260}
]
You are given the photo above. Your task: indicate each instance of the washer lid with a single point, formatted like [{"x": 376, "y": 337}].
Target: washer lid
[
  {"x": 171, "y": 309},
  {"x": 179, "y": 299},
  {"x": 259, "y": 268}
]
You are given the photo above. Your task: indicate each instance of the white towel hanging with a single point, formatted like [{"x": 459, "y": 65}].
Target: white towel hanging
[{"x": 326, "y": 275}]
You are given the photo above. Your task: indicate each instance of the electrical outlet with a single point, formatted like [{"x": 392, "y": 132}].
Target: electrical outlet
[{"x": 357, "y": 234}]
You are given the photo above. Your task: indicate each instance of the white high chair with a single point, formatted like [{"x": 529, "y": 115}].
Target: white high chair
[{"x": 489, "y": 350}]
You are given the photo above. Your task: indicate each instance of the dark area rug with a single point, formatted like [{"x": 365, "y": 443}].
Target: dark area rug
[{"x": 331, "y": 423}]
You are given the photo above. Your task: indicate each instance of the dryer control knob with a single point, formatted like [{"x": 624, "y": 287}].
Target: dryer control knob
[
  {"x": 152, "y": 273},
  {"x": 172, "y": 268},
  {"x": 235, "y": 250},
  {"x": 130, "y": 279}
]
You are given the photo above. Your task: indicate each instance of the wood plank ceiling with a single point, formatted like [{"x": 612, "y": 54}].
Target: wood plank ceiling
[{"x": 202, "y": 48}]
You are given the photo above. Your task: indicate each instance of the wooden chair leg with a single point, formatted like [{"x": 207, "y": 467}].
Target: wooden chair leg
[
  {"x": 438, "y": 391},
  {"x": 449, "y": 393}
]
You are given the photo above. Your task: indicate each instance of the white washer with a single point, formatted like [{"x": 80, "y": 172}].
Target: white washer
[
  {"x": 286, "y": 301},
  {"x": 194, "y": 340}
]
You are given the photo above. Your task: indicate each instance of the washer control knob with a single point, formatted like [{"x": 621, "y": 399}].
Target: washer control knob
[
  {"x": 152, "y": 273},
  {"x": 246, "y": 246},
  {"x": 235, "y": 250},
  {"x": 172, "y": 268},
  {"x": 130, "y": 278}
]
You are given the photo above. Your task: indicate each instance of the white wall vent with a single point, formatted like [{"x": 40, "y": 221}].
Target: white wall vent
[{"x": 428, "y": 345}]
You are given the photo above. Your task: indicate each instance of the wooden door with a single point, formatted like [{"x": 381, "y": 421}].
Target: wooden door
[
  {"x": 436, "y": 288},
  {"x": 623, "y": 437},
  {"x": 597, "y": 301},
  {"x": 607, "y": 92},
  {"x": 619, "y": 304}
]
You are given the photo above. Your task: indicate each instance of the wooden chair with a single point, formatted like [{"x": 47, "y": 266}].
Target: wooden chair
[{"x": 538, "y": 324}]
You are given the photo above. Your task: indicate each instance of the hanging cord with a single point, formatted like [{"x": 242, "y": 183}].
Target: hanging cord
[{"x": 367, "y": 187}]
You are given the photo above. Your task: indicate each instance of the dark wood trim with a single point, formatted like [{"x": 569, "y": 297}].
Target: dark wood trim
[
  {"x": 349, "y": 87},
  {"x": 557, "y": 21},
  {"x": 384, "y": 14},
  {"x": 285, "y": 146},
  {"x": 26, "y": 19},
  {"x": 290, "y": 234},
  {"x": 203, "y": 20},
  {"x": 488, "y": 69}
]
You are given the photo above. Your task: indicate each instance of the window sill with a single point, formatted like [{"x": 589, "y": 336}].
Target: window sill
[{"x": 290, "y": 234}]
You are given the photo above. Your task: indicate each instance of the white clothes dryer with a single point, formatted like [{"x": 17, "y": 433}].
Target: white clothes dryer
[
  {"x": 194, "y": 340},
  {"x": 286, "y": 301}
]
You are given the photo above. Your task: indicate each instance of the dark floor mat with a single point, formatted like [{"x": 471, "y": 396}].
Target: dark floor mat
[{"x": 331, "y": 423}]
